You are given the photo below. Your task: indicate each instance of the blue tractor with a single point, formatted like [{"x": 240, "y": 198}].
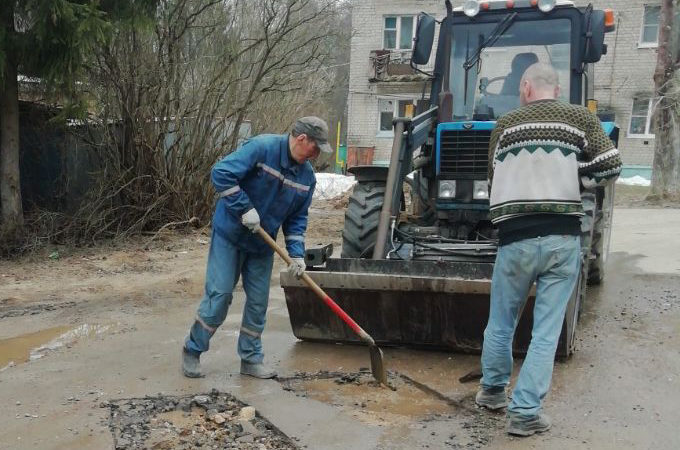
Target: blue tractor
[{"x": 418, "y": 246}]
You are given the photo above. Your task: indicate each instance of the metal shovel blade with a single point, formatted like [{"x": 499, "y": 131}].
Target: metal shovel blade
[{"x": 377, "y": 365}]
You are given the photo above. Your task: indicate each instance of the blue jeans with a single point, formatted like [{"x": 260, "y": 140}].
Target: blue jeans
[
  {"x": 554, "y": 263},
  {"x": 225, "y": 264}
]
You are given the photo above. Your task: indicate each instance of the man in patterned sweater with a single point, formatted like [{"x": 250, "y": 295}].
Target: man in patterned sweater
[{"x": 541, "y": 157}]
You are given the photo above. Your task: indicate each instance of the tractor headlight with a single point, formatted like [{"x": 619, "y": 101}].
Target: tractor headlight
[
  {"x": 546, "y": 5},
  {"x": 447, "y": 188},
  {"x": 471, "y": 8},
  {"x": 480, "y": 190}
]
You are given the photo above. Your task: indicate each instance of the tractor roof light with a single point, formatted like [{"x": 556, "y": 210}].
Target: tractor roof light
[
  {"x": 609, "y": 20},
  {"x": 471, "y": 8},
  {"x": 546, "y": 5}
]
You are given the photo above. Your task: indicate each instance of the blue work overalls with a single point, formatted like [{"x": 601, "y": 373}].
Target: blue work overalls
[{"x": 260, "y": 174}]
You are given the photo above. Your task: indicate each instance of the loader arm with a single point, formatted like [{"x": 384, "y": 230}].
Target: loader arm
[{"x": 409, "y": 134}]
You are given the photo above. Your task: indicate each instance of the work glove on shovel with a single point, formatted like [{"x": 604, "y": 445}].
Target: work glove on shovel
[
  {"x": 251, "y": 220},
  {"x": 297, "y": 267}
]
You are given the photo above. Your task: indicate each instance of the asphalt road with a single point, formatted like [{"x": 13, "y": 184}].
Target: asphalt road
[{"x": 619, "y": 390}]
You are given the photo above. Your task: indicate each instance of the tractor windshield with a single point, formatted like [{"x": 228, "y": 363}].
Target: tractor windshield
[{"x": 490, "y": 88}]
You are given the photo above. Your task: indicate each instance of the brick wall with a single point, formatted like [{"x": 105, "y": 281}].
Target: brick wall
[
  {"x": 626, "y": 71},
  {"x": 367, "y": 28}
]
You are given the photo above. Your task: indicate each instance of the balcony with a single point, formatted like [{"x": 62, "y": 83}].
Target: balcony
[{"x": 392, "y": 66}]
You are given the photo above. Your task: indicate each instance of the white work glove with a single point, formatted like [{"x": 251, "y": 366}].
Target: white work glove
[
  {"x": 297, "y": 267},
  {"x": 251, "y": 220}
]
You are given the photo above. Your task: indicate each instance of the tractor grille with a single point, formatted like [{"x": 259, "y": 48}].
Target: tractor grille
[{"x": 464, "y": 152}]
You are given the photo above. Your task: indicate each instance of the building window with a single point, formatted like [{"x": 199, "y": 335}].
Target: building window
[
  {"x": 389, "y": 108},
  {"x": 399, "y": 32},
  {"x": 649, "y": 36},
  {"x": 641, "y": 124}
]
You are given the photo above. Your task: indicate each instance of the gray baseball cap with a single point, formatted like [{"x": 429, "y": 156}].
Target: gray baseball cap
[{"x": 316, "y": 129}]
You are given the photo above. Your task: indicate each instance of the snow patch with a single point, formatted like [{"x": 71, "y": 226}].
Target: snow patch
[
  {"x": 636, "y": 180},
  {"x": 332, "y": 185}
]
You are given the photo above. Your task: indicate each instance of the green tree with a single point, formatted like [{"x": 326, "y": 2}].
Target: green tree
[
  {"x": 44, "y": 39},
  {"x": 48, "y": 40}
]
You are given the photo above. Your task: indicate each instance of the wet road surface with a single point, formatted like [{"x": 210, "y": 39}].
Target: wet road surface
[{"x": 619, "y": 390}]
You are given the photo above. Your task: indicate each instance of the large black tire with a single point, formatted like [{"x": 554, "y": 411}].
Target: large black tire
[
  {"x": 589, "y": 201},
  {"x": 361, "y": 219},
  {"x": 567, "y": 340},
  {"x": 596, "y": 266},
  {"x": 599, "y": 246}
]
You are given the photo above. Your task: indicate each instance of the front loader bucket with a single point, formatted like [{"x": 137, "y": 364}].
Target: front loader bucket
[{"x": 440, "y": 305}]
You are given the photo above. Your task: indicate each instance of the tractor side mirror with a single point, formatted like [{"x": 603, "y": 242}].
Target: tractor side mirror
[
  {"x": 595, "y": 47},
  {"x": 422, "y": 45}
]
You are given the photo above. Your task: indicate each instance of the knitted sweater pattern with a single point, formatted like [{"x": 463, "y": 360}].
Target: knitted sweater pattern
[{"x": 543, "y": 154}]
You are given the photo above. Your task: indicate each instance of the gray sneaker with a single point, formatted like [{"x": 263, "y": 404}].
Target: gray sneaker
[
  {"x": 191, "y": 364},
  {"x": 491, "y": 400},
  {"x": 526, "y": 426},
  {"x": 257, "y": 370}
]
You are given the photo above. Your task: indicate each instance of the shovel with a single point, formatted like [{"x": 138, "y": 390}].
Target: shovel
[{"x": 377, "y": 365}]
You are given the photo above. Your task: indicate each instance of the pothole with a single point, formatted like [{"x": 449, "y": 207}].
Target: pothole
[
  {"x": 409, "y": 404},
  {"x": 214, "y": 420},
  {"x": 366, "y": 398}
]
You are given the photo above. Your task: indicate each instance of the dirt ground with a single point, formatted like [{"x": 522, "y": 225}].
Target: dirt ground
[
  {"x": 639, "y": 197},
  {"x": 88, "y": 333}
]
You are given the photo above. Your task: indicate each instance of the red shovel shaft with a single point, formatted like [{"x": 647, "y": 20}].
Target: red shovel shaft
[
  {"x": 320, "y": 292},
  {"x": 377, "y": 363},
  {"x": 337, "y": 309}
]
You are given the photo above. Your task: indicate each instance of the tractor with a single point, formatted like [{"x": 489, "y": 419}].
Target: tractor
[{"x": 421, "y": 275}]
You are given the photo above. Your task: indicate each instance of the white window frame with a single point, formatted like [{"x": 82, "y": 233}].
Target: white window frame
[
  {"x": 648, "y": 123},
  {"x": 395, "y": 110},
  {"x": 642, "y": 44},
  {"x": 398, "y": 30}
]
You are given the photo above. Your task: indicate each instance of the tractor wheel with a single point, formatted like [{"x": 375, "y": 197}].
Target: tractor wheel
[
  {"x": 599, "y": 246},
  {"x": 361, "y": 219}
]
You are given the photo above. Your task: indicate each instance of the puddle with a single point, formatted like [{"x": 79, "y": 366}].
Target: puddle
[{"x": 32, "y": 346}]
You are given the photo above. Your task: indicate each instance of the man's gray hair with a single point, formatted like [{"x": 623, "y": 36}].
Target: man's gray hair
[{"x": 541, "y": 76}]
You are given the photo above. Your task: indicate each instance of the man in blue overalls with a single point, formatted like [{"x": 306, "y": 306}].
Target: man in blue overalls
[{"x": 268, "y": 183}]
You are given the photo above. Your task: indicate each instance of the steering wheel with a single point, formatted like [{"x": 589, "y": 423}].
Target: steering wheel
[{"x": 484, "y": 83}]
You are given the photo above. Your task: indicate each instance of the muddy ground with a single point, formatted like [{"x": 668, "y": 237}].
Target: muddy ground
[
  {"x": 90, "y": 344},
  {"x": 640, "y": 197}
]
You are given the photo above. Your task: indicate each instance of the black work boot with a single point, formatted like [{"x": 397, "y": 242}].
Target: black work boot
[
  {"x": 526, "y": 426},
  {"x": 257, "y": 370},
  {"x": 191, "y": 364}
]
